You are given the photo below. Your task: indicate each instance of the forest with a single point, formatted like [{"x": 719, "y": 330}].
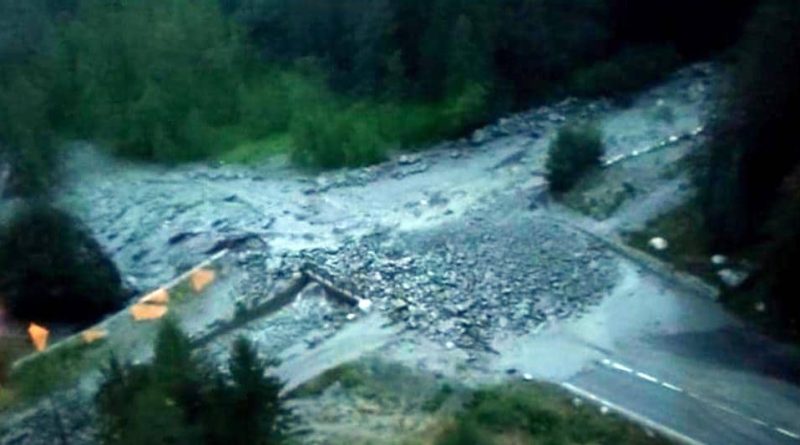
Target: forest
[
  {"x": 330, "y": 84},
  {"x": 333, "y": 83}
]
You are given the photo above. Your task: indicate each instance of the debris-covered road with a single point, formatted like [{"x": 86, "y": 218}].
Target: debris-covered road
[{"x": 456, "y": 246}]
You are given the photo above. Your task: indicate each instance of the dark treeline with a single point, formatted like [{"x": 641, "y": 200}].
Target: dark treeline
[
  {"x": 522, "y": 48},
  {"x": 750, "y": 176},
  {"x": 334, "y": 82}
]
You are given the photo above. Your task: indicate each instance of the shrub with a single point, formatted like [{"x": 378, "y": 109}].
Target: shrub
[
  {"x": 576, "y": 149},
  {"x": 534, "y": 413},
  {"x": 53, "y": 270},
  {"x": 327, "y": 139},
  {"x": 464, "y": 432}
]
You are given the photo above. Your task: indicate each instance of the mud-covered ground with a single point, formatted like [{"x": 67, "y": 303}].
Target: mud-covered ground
[
  {"x": 444, "y": 240},
  {"x": 470, "y": 267}
]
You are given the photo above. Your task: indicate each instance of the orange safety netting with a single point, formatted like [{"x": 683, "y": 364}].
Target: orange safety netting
[
  {"x": 148, "y": 311},
  {"x": 92, "y": 335},
  {"x": 202, "y": 278},
  {"x": 160, "y": 296},
  {"x": 38, "y": 336}
]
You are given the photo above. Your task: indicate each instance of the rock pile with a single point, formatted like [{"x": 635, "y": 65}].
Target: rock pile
[{"x": 463, "y": 284}]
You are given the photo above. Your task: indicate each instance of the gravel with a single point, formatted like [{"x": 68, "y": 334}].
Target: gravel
[{"x": 462, "y": 284}]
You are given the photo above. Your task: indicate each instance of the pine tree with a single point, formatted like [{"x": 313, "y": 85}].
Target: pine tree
[{"x": 175, "y": 400}]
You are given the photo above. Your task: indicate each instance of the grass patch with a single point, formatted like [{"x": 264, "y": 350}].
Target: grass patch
[
  {"x": 348, "y": 375},
  {"x": 251, "y": 152},
  {"x": 689, "y": 248},
  {"x": 535, "y": 413},
  {"x": 443, "y": 412},
  {"x": 595, "y": 196},
  {"x": 689, "y": 251},
  {"x": 385, "y": 383},
  {"x": 55, "y": 369}
]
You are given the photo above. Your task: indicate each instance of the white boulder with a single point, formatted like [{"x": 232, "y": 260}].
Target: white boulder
[{"x": 658, "y": 243}]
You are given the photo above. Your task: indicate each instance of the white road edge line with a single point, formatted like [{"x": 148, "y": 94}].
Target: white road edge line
[
  {"x": 672, "y": 387},
  {"x": 791, "y": 434},
  {"x": 647, "y": 377},
  {"x": 665, "y": 430},
  {"x": 620, "y": 367}
]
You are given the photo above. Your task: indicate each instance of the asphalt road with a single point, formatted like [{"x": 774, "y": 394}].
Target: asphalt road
[{"x": 695, "y": 418}]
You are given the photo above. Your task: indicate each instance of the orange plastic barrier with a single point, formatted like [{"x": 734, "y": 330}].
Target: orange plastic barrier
[
  {"x": 160, "y": 296},
  {"x": 92, "y": 335},
  {"x": 202, "y": 278},
  {"x": 142, "y": 312},
  {"x": 38, "y": 336}
]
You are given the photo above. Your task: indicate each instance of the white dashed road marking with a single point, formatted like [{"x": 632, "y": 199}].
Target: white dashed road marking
[
  {"x": 791, "y": 434},
  {"x": 647, "y": 377},
  {"x": 671, "y": 386},
  {"x": 620, "y": 367},
  {"x": 638, "y": 418}
]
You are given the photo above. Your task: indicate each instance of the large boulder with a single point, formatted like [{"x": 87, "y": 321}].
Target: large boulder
[{"x": 53, "y": 271}]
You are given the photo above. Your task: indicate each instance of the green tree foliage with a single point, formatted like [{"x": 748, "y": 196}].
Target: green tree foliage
[
  {"x": 174, "y": 80},
  {"x": 53, "y": 270},
  {"x": 156, "y": 79},
  {"x": 177, "y": 399},
  {"x": 778, "y": 284},
  {"x": 576, "y": 150},
  {"x": 752, "y": 150},
  {"x": 748, "y": 176},
  {"x": 249, "y": 396},
  {"x": 628, "y": 71},
  {"x": 25, "y": 131}
]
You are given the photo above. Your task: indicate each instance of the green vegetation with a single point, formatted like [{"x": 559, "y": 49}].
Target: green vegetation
[
  {"x": 57, "y": 369},
  {"x": 748, "y": 174},
  {"x": 597, "y": 195},
  {"x": 11, "y": 348},
  {"x": 348, "y": 375},
  {"x": 335, "y": 83},
  {"x": 53, "y": 271},
  {"x": 177, "y": 399},
  {"x": 625, "y": 72},
  {"x": 535, "y": 413},
  {"x": 689, "y": 244},
  {"x": 443, "y": 412},
  {"x": 576, "y": 150}
]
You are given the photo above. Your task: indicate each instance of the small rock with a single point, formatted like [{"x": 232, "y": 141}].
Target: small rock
[
  {"x": 732, "y": 278},
  {"x": 658, "y": 243},
  {"x": 400, "y": 304},
  {"x": 364, "y": 304},
  {"x": 604, "y": 410},
  {"x": 527, "y": 377},
  {"x": 408, "y": 160},
  {"x": 761, "y": 307},
  {"x": 479, "y": 137},
  {"x": 719, "y": 260}
]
